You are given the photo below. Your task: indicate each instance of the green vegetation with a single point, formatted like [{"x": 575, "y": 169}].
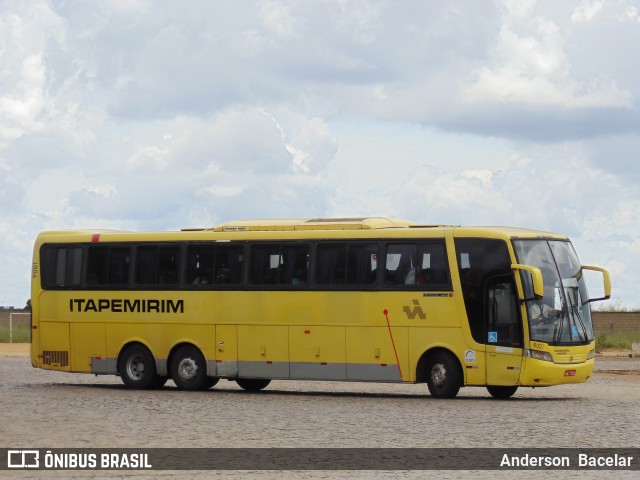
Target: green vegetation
[
  {"x": 20, "y": 333},
  {"x": 616, "y": 341},
  {"x": 614, "y": 306}
]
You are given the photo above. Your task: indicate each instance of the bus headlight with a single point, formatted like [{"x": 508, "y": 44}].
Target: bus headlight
[
  {"x": 538, "y": 355},
  {"x": 592, "y": 353}
]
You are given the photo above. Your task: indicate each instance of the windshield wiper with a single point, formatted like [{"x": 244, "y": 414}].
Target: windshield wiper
[
  {"x": 573, "y": 313},
  {"x": 557, "y": 332},
  {"x": 576, "y": 314}
]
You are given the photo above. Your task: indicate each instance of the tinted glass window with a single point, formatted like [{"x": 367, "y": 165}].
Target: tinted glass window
[
  {"x": 285, "y": 264},
  {"x": 157, "y": 265},
  {"x": 61, "y": 266},
  {"x": 420, "y": 265},
  {"x": 108, "y": 265},
  {"x": 346, "y": 264},
  {"x": 210, "y": 264}
]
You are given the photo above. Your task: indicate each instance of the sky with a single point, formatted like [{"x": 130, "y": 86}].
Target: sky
[{"x": 159, "y": 115}]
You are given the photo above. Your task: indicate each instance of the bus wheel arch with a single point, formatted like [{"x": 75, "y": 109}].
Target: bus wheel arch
[
  {"x": 188, "y": 368},
  {"x": 137, "y": 367},
  {"x": 441, "y": 370}
]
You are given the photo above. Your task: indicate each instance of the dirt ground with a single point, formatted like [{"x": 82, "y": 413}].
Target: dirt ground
[{"x": 44, "y": 409}]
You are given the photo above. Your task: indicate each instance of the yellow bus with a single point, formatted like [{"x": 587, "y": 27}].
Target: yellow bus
[{"x": 346, "y": 299}]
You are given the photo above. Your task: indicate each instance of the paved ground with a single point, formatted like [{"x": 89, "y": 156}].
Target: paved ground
[{"x": 42, "y": 409}]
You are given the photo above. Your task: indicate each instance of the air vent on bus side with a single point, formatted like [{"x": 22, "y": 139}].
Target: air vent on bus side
[{"x": 59, "y": 358}]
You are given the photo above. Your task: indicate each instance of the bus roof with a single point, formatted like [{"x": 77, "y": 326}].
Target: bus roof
[
  {"x": 355, "y": 223},
  {"x": 287, "y": 227}
]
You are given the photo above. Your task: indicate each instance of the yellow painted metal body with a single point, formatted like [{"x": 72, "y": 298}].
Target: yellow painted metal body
[{"x": 338, "y": 335}]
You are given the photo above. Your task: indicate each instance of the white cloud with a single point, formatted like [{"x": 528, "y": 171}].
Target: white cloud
[
  {"x": 531, "y": 67},
  {"x": 278, "y": 19},
  {"x": 586, "y": 11},
  {"x": 123, "y": 115}
]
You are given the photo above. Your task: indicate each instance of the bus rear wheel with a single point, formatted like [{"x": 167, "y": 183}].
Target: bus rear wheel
[
  {"x": 501, "y": 392},
  {"x": 253, "y": 384},
  {"x": 137, "y": 367},
  {"x": 443, "y": 375},
  {"x": 188, "y": 369}
]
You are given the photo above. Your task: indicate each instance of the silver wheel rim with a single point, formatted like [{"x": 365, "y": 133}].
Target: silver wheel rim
[
  {"x": 438, "y": 375},
  {"x": 187, "y": 369},
  {"x": 135, "y": 367}
]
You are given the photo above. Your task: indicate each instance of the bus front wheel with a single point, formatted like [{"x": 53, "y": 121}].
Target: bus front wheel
[
  {"x": 501, "y": 392},
  {"x": 253, "y": 384},
  {"x": 443, "y": 375},
  {"x": 189, "y": 370},
  {"x": 137, "y": 367}
]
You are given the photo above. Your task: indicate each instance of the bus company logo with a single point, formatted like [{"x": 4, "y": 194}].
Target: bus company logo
[
  {"x": 414, "y": 312},
  {"x": 23, "y": 459}
]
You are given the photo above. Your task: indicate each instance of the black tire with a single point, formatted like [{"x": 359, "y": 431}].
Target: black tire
[
  {"x": 137, "y": 367},
  {"x": 444, "y": 377},
  {"x": 188, "y": 369},
  {"x": 210, "y": 383},
  {"x": 502, "y": 392},
  {"x": 158, "y": 382},
  {"x": 253, "y": 384}
]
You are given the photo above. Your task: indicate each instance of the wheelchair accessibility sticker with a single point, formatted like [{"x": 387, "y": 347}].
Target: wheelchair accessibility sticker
[{"x": 493, "y": 337}]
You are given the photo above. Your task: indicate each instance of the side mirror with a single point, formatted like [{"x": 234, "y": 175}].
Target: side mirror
[
  {"x": 606, "y": 278},
  {"x": 536, "y": 280}
]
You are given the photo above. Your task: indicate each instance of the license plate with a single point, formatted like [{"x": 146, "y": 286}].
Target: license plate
[{"x": 569, "y": 373}]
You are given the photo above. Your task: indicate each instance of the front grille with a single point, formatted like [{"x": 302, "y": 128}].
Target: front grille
[{"x": 573, "y": 358}]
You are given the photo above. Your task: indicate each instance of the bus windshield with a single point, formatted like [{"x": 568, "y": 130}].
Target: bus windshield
[{"x": 563, "y": 315}]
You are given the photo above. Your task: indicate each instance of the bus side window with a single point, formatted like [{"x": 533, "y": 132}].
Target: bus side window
[
  {"x": 61, "y": 266},
  {"x": 331, "y": 259},
  {"x": 421, "y": 264},
  {"x": 157, "y": 265},
  {"x": 108, "y": 265},
  {"x": 168, "y": 263},
  {"x": 285, "y": 264},
  {"x": 295, "y": 264},
  {"x": 401, "y": 267},
  {"x": 199, "y": 264},
  {"x": 350, "y": 264},
  {"x": 433, "y": 266},
  {"x": 265, "y": 263},
  {"x": 227, "y": 267},
  {"x": 362, "y": 264}
]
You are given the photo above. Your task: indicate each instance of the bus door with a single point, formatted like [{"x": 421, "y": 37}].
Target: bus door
[
  {"x": 503, "y": 332},
  {"x": 489, "y": 293}
]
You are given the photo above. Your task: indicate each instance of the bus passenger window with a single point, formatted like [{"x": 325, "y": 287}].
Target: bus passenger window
[
  {"x": 295, "y": 264},
  {"x": 433, "y": 267},
  {"x": 422, "y": 264},
  {"x": 340, "y": 264},
  {"x": 401, "y": 264},
  {"x": 330, "y": 264},
  {"x": 157, "y": 265},
  {"x": 168, "y": 266},
  {"x": 199, "y": 264},
  {"x": 227, "y": 267},
  {"x": 285, "y": 264},
  {"x": 108, "y": 265},
  {"x": 265, "y": 264},
  {"x": 61, "y": 266}
]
